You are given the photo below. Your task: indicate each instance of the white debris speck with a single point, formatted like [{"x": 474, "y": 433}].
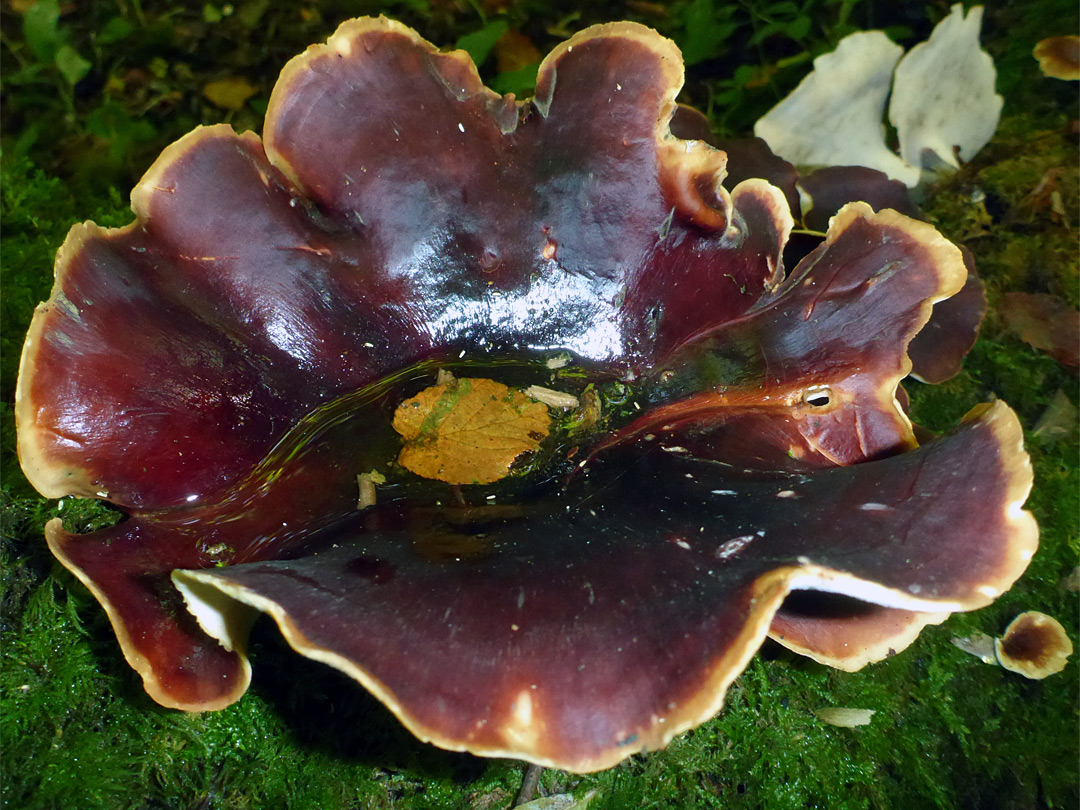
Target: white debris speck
[
  {"x": 555, "y": 399},
  {"x": 874, "y": 507},
  {"x": 733, "y": 546}
]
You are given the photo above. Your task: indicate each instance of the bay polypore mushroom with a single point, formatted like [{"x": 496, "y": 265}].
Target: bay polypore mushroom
[
  {"x": 1034, "y": 645},
  {"x": 1059, "y": 57},
  {"x": 817, "y": 195},
  {"x": 226, "y": 366}
]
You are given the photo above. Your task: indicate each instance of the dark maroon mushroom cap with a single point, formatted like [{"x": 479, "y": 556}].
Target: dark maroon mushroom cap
[
  {"x": 605, "y": 620},
  {"x": 226, "y": 366},
  {"x": 843, "y": 632},
  {"x": 815, "y": 197}
]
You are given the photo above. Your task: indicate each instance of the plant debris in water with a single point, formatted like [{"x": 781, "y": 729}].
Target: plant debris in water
[{"x": 469, "y": 430}]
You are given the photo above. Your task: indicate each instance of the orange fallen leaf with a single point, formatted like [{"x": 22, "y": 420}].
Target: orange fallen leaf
[
  {"x": 1045, "y": 322},
  {"x": 231, "y": 94},
  {"x": 514, "y": 51},
  {"x": 468, "y": 430}
]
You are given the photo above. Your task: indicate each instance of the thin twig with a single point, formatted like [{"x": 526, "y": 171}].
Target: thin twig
[{"x": 528, "y": 785}]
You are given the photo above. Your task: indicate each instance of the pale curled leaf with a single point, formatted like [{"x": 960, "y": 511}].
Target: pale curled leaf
[
  {"x": 556, "y": 399},
  {"x": 978, "y": 644},
  {"x": 943, "y": 103},
  {"x": 845, "y": 718},
  {"x": 833, "y": 118},
  {"x": 1072, "y": 581},
  {"x": 468, "y": 431},
  {"x": 1059, "y": 420}
]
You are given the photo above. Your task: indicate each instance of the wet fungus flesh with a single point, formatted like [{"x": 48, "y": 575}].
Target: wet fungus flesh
[{"x": 225, "y": 367}]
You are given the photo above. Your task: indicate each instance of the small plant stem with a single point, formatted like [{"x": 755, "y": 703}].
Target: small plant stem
[{"x": 528, "y": 785}]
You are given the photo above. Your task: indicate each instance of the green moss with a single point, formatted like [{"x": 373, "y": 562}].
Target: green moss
[{"x": 1015, "y": 206}]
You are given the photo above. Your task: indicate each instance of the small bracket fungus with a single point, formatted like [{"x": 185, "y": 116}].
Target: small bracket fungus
[
  {"x": 1059, "y": 57},
  {"x": 942, "y": 103},
  {"x": 236, "y": 364},
  {"x": 1034, "y": 645}
]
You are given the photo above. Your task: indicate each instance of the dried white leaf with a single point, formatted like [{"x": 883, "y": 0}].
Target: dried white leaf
[
  {"x": 551, "y": 398},
  {"x": 943, "y": 101},
  {"x": 845, "y": 718},
  {"x": 834, "y": 117},
  {"x": 1059, "y": 420},
  {"x": 978, "y": 644}
]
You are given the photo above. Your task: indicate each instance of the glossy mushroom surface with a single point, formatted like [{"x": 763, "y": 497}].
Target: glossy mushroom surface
[{"x": 226, "y": 366}]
